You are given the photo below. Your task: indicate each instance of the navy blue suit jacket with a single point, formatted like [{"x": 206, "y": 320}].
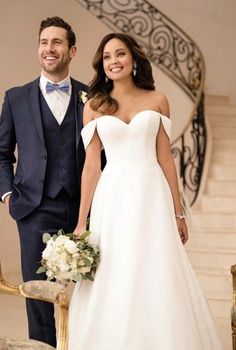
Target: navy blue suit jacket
[{"x": 21, "y": 125}]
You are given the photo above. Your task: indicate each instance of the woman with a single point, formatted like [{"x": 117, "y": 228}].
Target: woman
[{"x": 145, "y": 295}]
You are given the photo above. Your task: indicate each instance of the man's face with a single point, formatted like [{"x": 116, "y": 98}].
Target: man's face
[{"x": 54, "y": 53}]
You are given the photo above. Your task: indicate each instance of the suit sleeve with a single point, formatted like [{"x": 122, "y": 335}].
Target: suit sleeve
[{"x": 7, "y": 147}]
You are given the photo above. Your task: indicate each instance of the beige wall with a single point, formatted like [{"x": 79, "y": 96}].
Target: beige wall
[
  {"x": 19, "y": 22},
  {"x": 212, "y": 24}
]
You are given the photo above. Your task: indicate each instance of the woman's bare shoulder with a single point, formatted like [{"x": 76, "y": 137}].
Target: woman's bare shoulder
[
  {"x": 159, "y": 102},
  {"x": 89, "y": 114}
]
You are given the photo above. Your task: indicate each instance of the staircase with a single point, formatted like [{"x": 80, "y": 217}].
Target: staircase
[{"x": 212, "y": 244}]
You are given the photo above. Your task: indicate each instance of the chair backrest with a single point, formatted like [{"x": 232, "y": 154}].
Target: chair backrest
[{"x": 45, "y": 291}]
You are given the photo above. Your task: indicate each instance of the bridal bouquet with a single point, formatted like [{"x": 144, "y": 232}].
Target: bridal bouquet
[{"x": 66, "y": 258}]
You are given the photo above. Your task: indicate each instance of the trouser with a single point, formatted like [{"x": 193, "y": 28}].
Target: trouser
[{"x": 50, "y": 216}]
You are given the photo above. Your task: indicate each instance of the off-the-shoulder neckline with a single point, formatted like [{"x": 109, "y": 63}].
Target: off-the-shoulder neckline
[{"x": 122, "y": 121}]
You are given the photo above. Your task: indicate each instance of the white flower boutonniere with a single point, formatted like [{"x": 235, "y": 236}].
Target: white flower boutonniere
[{"x": 83, "y": 96}]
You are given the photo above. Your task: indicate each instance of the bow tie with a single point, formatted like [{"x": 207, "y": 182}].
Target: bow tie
[{"x": 51, "y": 87}]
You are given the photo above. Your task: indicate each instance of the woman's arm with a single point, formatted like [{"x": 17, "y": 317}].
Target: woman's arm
[
  {"x": 90, "y": 174},
  {"x": 167, "y": 164}
]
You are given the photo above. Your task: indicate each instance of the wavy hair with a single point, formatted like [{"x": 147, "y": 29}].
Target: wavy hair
[{"x": 99, "y": 89}]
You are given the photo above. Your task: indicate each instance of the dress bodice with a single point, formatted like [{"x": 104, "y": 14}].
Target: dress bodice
[{"x": 128, "y": 143}]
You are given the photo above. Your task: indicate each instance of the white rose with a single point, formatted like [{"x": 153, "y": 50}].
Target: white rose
[
  {"x": 50, "y": 274},
  {"x": 48, "y": 251},
  {"x": 60, "y": 276},
  {"x": 64, "y": 256},
  {"x": 60, "y": 240},
  {"x": 71, "y": 247},
  {"x": 73, "y": 264},
  {"x": 64, "y": 267},
  {"x": 84, "y": 269}
]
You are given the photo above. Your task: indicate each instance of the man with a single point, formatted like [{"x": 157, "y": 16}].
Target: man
[{"x": 44, "y": 119}]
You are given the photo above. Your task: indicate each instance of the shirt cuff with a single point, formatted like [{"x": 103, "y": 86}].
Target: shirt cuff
[{"x": 5, "y": 195}]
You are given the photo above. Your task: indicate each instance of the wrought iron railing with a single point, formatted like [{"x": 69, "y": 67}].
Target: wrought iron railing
[{"x": 174, "y": 52}]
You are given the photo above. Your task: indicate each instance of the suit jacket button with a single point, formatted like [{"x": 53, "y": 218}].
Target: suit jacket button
[
  {"x": 44, "y": 157},
  {"x": 41, "y": 182}
]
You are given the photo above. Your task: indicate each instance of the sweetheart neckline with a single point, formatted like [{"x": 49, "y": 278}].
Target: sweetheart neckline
[
  {"x": 88, "y": 130},
  {"x": 130, "y": 122}
]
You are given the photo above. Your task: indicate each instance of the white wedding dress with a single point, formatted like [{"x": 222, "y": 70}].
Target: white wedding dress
[{"x": 145, "y": 295}]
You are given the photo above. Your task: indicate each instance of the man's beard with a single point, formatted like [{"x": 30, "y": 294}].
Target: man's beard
[{"x": 60, "y": 67}]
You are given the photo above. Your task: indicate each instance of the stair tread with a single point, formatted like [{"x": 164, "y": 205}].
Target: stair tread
[
  {"x": 217, "y": 211},
  {"x": 213, "y": 99},
  {"x": 218, "y": 295},
  {"x": 223, "y": 180},
  {"x": 206, "y": 212},
  {"x": 213, "y": 164},
  {"x": 218, "y": 250},
  {"x": 221, "y": 152},
  {"x": 213, "y": 271},
  {"x": 228, "y": 110},
  {"x": 216, "y": 196},
  {"x": 211, "y": 230}
]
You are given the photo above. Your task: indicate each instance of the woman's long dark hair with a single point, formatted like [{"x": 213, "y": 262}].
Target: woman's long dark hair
[{"x": 99, "y": 89}]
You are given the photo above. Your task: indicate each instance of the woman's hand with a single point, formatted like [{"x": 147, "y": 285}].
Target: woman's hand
[
  {"x": 6, "y": 200},
  {"x": 183, "y": 229},
  {"x": 79, "y": 230}
]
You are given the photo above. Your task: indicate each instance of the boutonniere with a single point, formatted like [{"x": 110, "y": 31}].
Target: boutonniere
[{"x": 83, "y": 96}]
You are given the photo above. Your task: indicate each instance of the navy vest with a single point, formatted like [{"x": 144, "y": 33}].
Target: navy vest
[{"x": 60, "y": 140}]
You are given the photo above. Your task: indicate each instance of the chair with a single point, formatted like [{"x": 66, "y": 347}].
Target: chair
[
  {"x": 41, "y": 290},
  {"x": 233, "y": 309}
]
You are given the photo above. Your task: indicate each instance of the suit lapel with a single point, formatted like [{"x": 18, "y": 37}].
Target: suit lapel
[
  {"x": 78, "y": 108},
  {"x": 34, "y": 104}
]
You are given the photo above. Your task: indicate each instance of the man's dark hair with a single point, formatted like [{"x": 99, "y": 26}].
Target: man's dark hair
[{"x": 59, "y": 22}]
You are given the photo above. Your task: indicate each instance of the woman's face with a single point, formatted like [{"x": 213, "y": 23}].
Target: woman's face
[{"x": 117, "y": 60}]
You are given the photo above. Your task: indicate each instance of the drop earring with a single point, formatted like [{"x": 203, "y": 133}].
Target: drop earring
[
  {"x": 106, "y": 79},
  {"x": 134, "y": 69}
]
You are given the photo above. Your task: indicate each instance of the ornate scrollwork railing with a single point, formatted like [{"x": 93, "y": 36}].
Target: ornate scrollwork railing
[
  {"x": 173, "y": 51},
  {"x": 189, "y": 150}
]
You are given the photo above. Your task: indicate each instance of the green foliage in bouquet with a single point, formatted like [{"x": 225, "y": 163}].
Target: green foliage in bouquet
[{"x": 68, "y": 258}]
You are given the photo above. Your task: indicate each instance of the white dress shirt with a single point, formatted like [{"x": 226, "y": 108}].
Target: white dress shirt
[{"x": 57, "y": 100}]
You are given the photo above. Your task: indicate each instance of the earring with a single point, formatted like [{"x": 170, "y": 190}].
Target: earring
[
  {"x": 106, "y": 79},
  {"x": 134, "y": 69}
]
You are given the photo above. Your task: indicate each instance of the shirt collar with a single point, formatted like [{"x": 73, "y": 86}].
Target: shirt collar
[{"x": 43, "y": 82}]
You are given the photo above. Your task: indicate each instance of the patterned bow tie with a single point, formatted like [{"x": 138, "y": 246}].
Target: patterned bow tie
[{"x": 51, "y": 87}]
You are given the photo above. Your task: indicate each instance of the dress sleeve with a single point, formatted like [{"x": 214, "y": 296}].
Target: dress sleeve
[
  {"x": 88, "y": 131},
  {"x": 167, "y": 124}
]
